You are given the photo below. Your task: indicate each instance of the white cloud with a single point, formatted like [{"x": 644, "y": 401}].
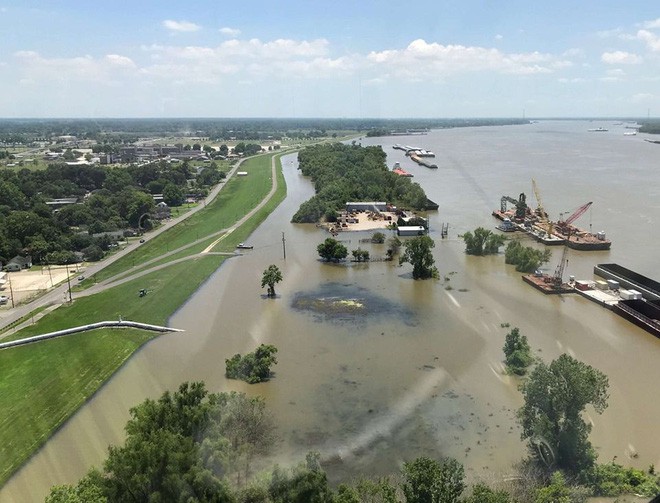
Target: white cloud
[
  {"x": 576, "y": 80},
  {"x": 616, "y": 72},
  {"x": 37, "y": 68},
  {"x": 117, "y": 60},
  {"x": 651, "y": 39},
  {"x": 230, "y": 32},
  {"x": 498, "y": 37},
  {"x": 453, "y": 59},
  {"x": 651, "y": 25},
  {"x": 609, "y": 33},
  {"x": 642, "y": 97},
  {"x": 574, "y": 53},
  {"x": 621, "y": 58},
  {"x": 181, "y": 26}
]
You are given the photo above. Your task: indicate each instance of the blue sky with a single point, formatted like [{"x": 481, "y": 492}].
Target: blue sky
[{"x": 211, "y": 58}]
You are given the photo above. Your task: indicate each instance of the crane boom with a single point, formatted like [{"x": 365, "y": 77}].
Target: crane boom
[
  {"x": 543, "y": 216},
  {"x": 578, "y": 213}
]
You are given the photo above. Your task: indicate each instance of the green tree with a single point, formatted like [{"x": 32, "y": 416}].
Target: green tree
[
  {"x": 380, "y": 490},
  {"x": 378, "y": 238},
  {"x": 360, "y": 255},
  {"x": 518, "y": 354},
  {"x": 160, "y": 460},
  {"x": 426, "y": 480},
  {"x": 305, "y": 483},
  {"x": 556, "y": 492},
  {"x": 270, "y": 277},
  {"x": 173, "y": 195},
  {"x": 418, "y": 253},
  {"x": 332, "y": 250},
  {"x": 481, "y": 493},
  {"x": 525, "y": 258},
  {"x": 180, "y": 448},
  {"x": 551, "y": 417},
  {"x": 89, "y": 488},
  {"x": 482, "y": 242},
  {"x": 253, "y": 367}
]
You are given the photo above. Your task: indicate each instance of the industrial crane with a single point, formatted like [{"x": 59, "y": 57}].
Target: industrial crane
[
  {"x": 563, "y": 225},
  {"x": 543, "y": 216}
]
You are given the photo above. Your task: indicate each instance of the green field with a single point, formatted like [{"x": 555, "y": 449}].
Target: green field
[
  {"x": 43, "y": 384},
  {"x": 239, "y": 196}
]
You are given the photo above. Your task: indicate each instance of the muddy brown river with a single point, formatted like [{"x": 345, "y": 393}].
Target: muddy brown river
[{"x": 375, "y": 368}]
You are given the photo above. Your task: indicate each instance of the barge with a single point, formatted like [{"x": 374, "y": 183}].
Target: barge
[
  {"x": 579, "y": 239},
  {"x": 422, "y": 162},
  {"x": 649, "y": 288},
  {"x": 644, "y": 314},
  {"x": 546, "y": 284}
]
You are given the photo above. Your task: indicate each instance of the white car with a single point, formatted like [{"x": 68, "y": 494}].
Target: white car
[{"x": 3, "y": 299}]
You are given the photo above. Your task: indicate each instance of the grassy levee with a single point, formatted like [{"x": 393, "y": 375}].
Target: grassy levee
[
  {"x": 237, "y": 197},
  {"x": 43, "y": 384}
]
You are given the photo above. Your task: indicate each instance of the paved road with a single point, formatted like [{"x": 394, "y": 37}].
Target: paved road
[{"x": 59, "y": 294}]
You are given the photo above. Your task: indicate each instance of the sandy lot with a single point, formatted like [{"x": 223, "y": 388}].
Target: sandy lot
[{"x": 366, "y": 221}]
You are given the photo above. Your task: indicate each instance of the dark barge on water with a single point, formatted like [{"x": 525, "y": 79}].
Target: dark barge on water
[{"x": 645, "y": 312}]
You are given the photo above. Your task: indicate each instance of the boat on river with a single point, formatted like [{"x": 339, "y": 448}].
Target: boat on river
[{"x": 401, "y": 172}]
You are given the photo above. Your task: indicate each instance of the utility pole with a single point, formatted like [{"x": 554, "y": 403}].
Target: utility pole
[
  {"x": 11, "y": 291},
  {"x": 284, "y": 245},
  {"x": 68, "y": 280}
]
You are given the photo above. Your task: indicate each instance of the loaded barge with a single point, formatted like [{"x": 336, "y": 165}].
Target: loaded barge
[{"x": 631, "y": 295}]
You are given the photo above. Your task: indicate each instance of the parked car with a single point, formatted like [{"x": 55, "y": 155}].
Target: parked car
[{"x": 3, "y": 299}]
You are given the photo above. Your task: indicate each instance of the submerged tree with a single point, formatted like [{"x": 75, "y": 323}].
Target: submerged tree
[
  {"x": 555, "y": 397},
  {"x": 253, "y": 367},
  {"x": 525, "y": 258},
  {"x": 418, "y": 253},
  {"x": 482, "y": 242},
  {"x": 518, "y": 354},
  {"x": 332, "y": 250},
  {"x": 271, "y": 276},
  {"x": 360, "y": 255}
]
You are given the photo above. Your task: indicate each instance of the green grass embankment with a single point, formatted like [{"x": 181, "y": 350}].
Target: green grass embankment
[
  {"x": 43, "y": 384},
  {"x": 237, "y": 197}
]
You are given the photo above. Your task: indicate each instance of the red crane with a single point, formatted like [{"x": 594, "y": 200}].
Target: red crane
[{"x": 577, "y": 214}]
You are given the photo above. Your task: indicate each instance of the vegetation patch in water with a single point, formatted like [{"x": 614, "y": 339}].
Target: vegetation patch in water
[{"x": 336, "y": 302}]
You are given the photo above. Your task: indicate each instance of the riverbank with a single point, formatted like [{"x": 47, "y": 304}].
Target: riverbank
[{"x": 44, "y": 384}]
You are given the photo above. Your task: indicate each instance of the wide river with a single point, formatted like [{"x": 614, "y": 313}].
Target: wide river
[{"x": 417, "y": 369}]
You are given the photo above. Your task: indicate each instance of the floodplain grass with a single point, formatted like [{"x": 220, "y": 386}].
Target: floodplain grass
[{"x": 43, "y": 384}]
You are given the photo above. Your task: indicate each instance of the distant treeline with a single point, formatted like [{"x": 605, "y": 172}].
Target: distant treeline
[
  {"x": 343, "y": 173},
  {"x": 651, "y": 127},
  {"x": 27, "y": 130}
]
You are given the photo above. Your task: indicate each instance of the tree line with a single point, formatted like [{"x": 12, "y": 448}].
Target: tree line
[
  {"x": 109, "y": 199},
  {"x": 196, "y": 446},
  {"x": 343, "y": 173}
]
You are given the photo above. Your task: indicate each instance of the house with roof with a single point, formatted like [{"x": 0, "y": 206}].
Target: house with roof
[{"x": 19, "y": 263}]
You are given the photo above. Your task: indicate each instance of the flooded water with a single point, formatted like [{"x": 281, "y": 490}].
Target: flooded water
[{"x": 375, "y": 368}]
